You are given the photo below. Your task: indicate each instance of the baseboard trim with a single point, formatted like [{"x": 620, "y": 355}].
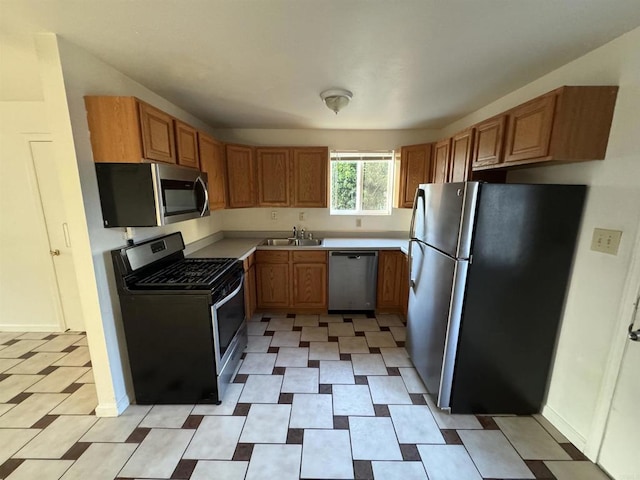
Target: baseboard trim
[
  {"x": 19, "y": 327},
  {"x": 564, "y": 427},
  {"x": 113, "y": 409}
]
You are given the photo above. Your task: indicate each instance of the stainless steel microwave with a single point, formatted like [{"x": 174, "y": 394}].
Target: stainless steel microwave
[{"x": 150, "y": 194}]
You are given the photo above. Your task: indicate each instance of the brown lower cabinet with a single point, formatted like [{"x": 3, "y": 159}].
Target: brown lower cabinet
[
  {"x": 393, "y": 284},
  {"x": 288, "y": 280},
  {"x": 249, "y": 286}
]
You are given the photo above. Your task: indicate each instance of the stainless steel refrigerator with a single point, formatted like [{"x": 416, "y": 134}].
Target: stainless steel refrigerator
[{"x": 489, "y": 268}]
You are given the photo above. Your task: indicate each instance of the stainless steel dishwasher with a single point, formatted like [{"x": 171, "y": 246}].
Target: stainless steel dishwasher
[{"x": 353, "y": 278}]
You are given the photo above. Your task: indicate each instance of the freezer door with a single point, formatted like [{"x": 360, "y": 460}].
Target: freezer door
[
  {"x": 449, "y": 214},
  {"x": 433, "y": 319}
]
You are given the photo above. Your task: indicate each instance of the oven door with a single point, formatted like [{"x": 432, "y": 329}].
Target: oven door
[
  {"x": 230, "y": 333},
  {"x": 181, "y": 193}
]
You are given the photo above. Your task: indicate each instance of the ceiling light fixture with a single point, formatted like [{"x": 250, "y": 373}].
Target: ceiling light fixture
[{"x": 336, "y": 98}]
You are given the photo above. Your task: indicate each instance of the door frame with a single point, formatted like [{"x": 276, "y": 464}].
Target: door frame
[
  {"x": 611, "y": 375},
  {"x": 37, "y": 197}
]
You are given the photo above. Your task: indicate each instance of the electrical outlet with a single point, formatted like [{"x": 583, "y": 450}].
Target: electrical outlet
[
  {"x": 358, "y": 222},
  {"x": 606, "y": 241},
  {"x": 274, "y": 215},
  {"x": 301, "y": 216}
]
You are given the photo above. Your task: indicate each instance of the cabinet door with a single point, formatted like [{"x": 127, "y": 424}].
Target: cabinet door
[
  {"x": 461, "y": 147},
  {"x": 249, "y": 292},
  {"x": 158, "y": 141},
  {"x": 441, "y": 161},
  {"x": 390, "y": 288},
  {"x": 240, "y": 176},
  {"x": 212, "y": 163},
  {"x": 488, "y": 143},
  {"x": 415, "y": 168},
  {"x": 310, "y": 177},
  {"x": 529, "y": 131},
  {"x": 310, "y": 285},
  {"x": 273, "y": 177},
  {"x": 187, "y": 145},
  {"x": 272, "y": 285}
]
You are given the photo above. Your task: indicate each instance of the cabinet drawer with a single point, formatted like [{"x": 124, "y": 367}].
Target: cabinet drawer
[
  {"x": 316, "y": 256},
  {"x": 271, "y": 256},
  {"x": 248, "y": 262}
]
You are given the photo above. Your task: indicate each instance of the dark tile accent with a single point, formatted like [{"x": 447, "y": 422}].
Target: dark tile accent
[
  {"x": 45, "y": 421},
  {"x": 4, "y": 376},
  {"x": 539, "y": 469},
  {"x": 241, "y": 378},
  {"x": 360, "y": 334},
  {"x": 50, "y": 337},
  {"x": 370, "y": 315},
  {"x": 573, "y": 452},
  {"x": 410, "y": 452},
  {"x": 192, "y": 421},
  {"x": 9, "y": 466},
  {"x": 345, "y": 356},
  {"x": 363, "y": 470},
  {"x": 333, "y": 339},
  {"x": 269, "y": 333},
  {"x": 340, "y": 422},
  {"x": 385, "y": 329},
  {"x": 348, "y": 320},
  {"x": 381, "y": 410},
  {"x": 184, "y": 469},
  {"x": 417, "y": 399},
  {"x": 88, "y": 364},
  {"x": 400, "y": 344},
  {"x": 265, "y": 319},
  {"x": 76, "y": 451},
  {"x": 323, "y": 324},
  {"x": 297, "y": 328},
  {"x": 243, "y": 356},
  {"x": 278, "y": 371},
  {"x": 451, "y": 437},
  {"x": 313, "y": 363},
  {"x": 374, "y": 350},
  {"x": 138, "y": 435},
  {"x": 70, "y": 348},
  {"x": 326, "y": 388},
  {"x": 488, "y": 423},
  {"x": 243, "y": 452},
  {"x": 393, "y": 371},
  {"x": 27, "y": 355},
  {"x": 285, "y": 398},
  {"x": 241, "y": 410},
  {"x": 291, "y": 315},
  {"x": 273, "y": 350},
  {"x": 304, "y": 344},
  {"x": 19, "y": 398},
  {"x": 294, "y": 436},
  {"x": 361, "y": 380},
  {"x": 10, "y": 342},
  {"x": 72, "y": 388}
]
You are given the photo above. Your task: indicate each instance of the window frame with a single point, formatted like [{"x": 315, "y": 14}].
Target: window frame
[{"x": 359, "y": 158}]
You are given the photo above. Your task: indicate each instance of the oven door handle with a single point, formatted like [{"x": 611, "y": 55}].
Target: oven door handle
[{"x": 232, "y": 294}]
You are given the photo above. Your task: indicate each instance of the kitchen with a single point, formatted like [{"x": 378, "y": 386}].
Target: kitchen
[{"x": 575, "y": 374}]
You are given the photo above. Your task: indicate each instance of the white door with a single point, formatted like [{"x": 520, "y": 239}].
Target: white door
[
  {"x": 620, "y": 451},
  {"x": 57, "y": 232}
]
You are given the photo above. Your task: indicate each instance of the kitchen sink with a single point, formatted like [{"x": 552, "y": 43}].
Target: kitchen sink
[{"x": 292, "y": 242}]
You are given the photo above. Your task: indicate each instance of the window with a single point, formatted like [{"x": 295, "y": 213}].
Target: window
[{"x": 361, "y": 183}]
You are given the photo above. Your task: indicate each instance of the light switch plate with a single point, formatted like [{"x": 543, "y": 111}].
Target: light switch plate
[{"x": 606, "y": 241}]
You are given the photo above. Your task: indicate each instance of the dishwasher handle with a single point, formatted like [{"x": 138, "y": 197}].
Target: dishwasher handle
[{"x": 354, "y": 255}]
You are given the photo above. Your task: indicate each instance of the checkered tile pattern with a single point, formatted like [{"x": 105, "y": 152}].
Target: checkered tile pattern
[{"x": 316, "y": 397}]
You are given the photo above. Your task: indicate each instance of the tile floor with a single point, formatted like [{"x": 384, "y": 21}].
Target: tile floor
[{"x": 316, "y": 397}]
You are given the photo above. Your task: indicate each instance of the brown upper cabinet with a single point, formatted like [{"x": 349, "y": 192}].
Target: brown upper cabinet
[
  {"x": 489, "y": 141},
  {"x": 415, "y": 168},
  {"x": 127, "y": 130},
  {"x": 530, "y": 129},
  {"x": 273, "y": 176},
  {"x": 212, "y": 162},
  {"x": 441, "y": 161},
  {"x": 187, "y": 145},
  {"x": 310, "y": 176},
  {"x": 240, "y": 176},
  {"x": 461, "y": 149}
]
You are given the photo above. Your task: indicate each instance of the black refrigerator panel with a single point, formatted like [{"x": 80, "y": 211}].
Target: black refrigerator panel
[{"x": 522, "y": 254}]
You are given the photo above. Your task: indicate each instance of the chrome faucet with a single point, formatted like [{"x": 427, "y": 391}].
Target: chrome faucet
[
  {"x": 302, "y": 233},
  {"x": 295, "y": 232}
]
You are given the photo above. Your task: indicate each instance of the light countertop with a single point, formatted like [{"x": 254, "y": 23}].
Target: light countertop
[{"x": 241, "y": 248}]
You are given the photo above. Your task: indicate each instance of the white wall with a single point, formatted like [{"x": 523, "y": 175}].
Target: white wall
[
  {"x": 318, "y": 219},
  {"x": 69, "y": 73},
  {"x": 589, "y": 324}
]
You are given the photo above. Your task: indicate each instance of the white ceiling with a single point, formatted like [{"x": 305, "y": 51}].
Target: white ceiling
[{"x": 263, "y": 63}]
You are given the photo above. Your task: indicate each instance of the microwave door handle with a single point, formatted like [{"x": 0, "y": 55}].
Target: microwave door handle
[{"x": 205, "y": 206}]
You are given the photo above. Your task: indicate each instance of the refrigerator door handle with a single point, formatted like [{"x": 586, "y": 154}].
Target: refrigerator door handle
[
  {"x": 412, "y": 282},
  {"x": 419, "y": 194}
]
